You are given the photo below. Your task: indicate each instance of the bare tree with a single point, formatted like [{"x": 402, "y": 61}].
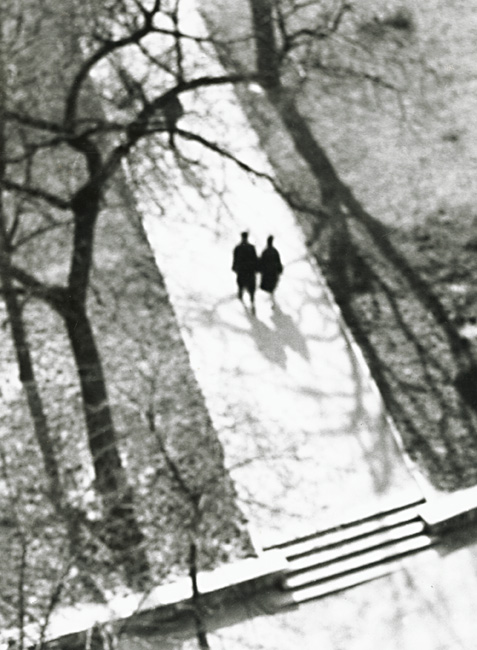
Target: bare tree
[
  {"x": 71, "y": 123},
  {"x": 13, "y": 308},
  {"x": 129, "y": 68},
  {"x": 315, "y": 47}
]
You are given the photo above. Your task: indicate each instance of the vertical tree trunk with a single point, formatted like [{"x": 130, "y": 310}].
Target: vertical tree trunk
[
  {"x": 102, "y": 437},
  {"x": 27, "y": 377},
  {"x": 197, "y": 608},
  {"x": 20, "y": 341},
  {"x": 337, "y": 199},
  {"x": 121, "y": 529},
  {"x": 265, "y": 43},
  {"x": 267, "y": 62}
]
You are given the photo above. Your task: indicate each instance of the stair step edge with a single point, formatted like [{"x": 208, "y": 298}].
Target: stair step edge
[
  {"x": 337, "y": 536},
  {"x": 356, "y": 563},
  {"x": 410, "y": 510},
  {"x": 355, "y": 546},
  {"x": 344, "y": 582}
]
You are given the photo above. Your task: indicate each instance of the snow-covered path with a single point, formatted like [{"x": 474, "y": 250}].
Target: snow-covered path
[{"x": 303, "y": 429}]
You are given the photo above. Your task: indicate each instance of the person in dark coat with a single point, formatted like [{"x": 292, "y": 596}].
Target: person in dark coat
[
  {"x": 270, "y": 268},
  {"x": 245, "y": 265}
]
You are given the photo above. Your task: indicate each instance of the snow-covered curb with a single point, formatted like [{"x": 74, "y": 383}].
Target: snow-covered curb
[
  {"x": 450, "y": 511},
  {"x": 161, "y": 603}
]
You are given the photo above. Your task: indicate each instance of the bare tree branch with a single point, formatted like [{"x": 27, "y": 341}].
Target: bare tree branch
[
  {"x": 104, "y": 51},
  {"x": 140, "y": 127},
  {"x": 21, "y": 241},
  {"x": 36, "y": 288},
  {"x": 36, "y": 192},
  {"x": 34, "y": 122}
]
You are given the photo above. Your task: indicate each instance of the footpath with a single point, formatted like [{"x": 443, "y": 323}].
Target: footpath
[
  {"x": 314, "y": 458},
  {"x": 304, "y": 430},
  {"x": 305, "y": 435},
  {"x": 307, "y": 443}
]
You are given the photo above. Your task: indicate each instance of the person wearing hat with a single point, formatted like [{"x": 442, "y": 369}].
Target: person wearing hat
[{"x": 245, "y": 266}]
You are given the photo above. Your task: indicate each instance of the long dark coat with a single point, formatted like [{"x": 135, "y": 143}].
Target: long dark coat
[
  {"x": 245, "y": 264},
  {"x": 270, "y": 268}
]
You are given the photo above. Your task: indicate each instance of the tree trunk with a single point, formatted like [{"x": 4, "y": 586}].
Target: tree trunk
[
  {"x": 31, "y": 390},
  {"x": 337, "y": 199},
  {"x": 14, "y": 313},
  {"x": 265, "y": 43},
  {"x": 121, "y": 530},
  {"x": 27, "y": 376},
  {"x": 101, "y": 433},
  {"x": 197, "y": 607}
]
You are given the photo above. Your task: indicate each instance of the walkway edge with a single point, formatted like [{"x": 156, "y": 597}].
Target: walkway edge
[
  {"x": 69, "y": 626},
  {"x": 450, "y": 511},
  {"x": 415, "y": 473}
]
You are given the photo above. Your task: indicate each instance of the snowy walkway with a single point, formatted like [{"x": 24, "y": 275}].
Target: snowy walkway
[
  {"x": 302, "y": 427},
  {"x": 303, "y": 430}
]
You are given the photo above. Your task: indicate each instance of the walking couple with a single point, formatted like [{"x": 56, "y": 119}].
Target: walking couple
[{"x": 246, "y": 264}]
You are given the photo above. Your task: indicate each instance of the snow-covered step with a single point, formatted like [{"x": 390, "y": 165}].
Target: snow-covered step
[
  {"x": 351, "y": 553},
  {"x": 324, "y": 555},
  {"x": 339, "y": 583},
  {"x": 356, "y": 563},
  {"x": 350, "y": 530}
]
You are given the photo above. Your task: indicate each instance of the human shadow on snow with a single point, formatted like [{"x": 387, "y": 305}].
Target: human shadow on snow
[
  {"x": 273, "y": 338},
  {"x": 272, "y": 342}
]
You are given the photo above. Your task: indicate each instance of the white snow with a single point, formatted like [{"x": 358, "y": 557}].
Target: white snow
[{"x": 302, "y": 426}]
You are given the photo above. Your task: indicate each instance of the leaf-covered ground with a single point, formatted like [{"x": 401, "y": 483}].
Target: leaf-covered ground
[
  {"x": 172, "y": 457},
  {"x": 159, "y": 414}
]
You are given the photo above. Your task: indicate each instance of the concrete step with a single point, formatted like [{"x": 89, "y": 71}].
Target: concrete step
[
  {"x": 331, "y": 553},
  {"x": 335, "y": 585},
  {"x": 351, "y": 553},
  {"x": 351, "y": 564},
  {"x": 349, "y": 530}
]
